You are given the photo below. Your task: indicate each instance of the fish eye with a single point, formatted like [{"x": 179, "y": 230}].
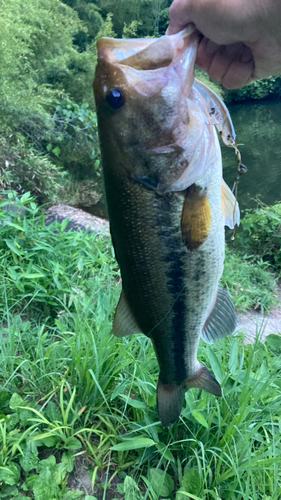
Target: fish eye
[{"x": 115, "y": 98}]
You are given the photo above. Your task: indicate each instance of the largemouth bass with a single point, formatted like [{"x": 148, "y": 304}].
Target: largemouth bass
[{"x": 167, "y": 204}]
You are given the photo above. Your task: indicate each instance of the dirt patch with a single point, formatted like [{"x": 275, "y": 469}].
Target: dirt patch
[{"x": 80, "y": 479}]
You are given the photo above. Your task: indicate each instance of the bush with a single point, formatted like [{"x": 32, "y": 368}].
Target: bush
[
  {"x": 249, "y": 282},
  {"x": 261, "y": 89},
  {"x": 22, "y": 168},
  {"x": 261, "y": 235},
  {"x": 73, "y": 139}
]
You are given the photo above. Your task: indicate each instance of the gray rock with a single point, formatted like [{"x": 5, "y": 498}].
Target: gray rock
[{"x": 78, "y": 219}]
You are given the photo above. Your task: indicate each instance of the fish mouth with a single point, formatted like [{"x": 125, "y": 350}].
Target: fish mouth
[{"x": 146, "y": 60}]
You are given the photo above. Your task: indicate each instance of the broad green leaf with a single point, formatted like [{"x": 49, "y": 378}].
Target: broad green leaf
[
  {"x": 15, "y": 401},
  {"x": 56, "y": 151},
  {"x": 10, "y": 474},
  {"x": 12, "y": 247},
  {"x": 200, "y": 418},
  {"x": 52, "y": 411},
  {"x": 133, "y": 444},
  {"x": 72, "y": 443},
  {"x": 48, "y": 462},
  {"x": 49, "y": 441},
  {"x": 32, "y": 276},
  {"x": 68, "y": 460},
  {"x": 165, "y": 452},
  {"x": 131, "y": 489},
  {"x": 29, "y": 460},
  {"x": 25, "y": 197},
  {"x": 8, "y": 492},
  {"x": 161, "y": 482},
  {"x": 13, "y": 224},
  {"x": 133, "y": 402},
  {"x": 191, "y": 483},
  {"x": 274, "y": 341}
]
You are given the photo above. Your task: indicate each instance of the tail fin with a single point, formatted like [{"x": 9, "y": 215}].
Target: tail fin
[
  {"x": 170, "y": 398},
  {"x": 204, "y": 380}
]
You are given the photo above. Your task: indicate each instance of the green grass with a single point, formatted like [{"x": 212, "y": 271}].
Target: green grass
[
  {"x": 250, "y": 281},
  {"x": 69, "y": 389}
]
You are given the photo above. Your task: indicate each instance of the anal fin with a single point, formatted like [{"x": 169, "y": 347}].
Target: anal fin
[
  {"x": 124, "y": 322},
  {"x": 222, "y": 319},
  {"x": 204, "y": 380},
  {"x": 230, "y": 207}
]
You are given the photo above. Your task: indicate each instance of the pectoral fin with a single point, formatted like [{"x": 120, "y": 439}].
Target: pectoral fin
[
  {"x": 222, "y": 319},
  {"x": 124, "y": 322},
  {"x": 196, "y": 217},
  {"x": 230, "y": 207}
]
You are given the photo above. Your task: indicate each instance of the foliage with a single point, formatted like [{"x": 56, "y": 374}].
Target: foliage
[
  {"x": 36, "y": 41},
  {"x": 261, "y": 89},
  {"x": 73, "y": 139},
  {"x": 261, "y": 235},
  {"x": 131, "y": 31},
  {"x": 151, "y": 14},
  {"x": 23, "y": 169},
  {"x": 249, "y": 281},
  {"x": 92, "y": 20},
  {"x": 68, "y": 387},
  {"x": 44, "y": 264}
]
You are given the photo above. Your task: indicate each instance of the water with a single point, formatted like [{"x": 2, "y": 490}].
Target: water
[{"x": 258, "y": 127}]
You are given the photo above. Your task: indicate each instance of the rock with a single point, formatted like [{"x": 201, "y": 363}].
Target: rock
[
  {"x": 255, "y": 323},
  {"x": 78, "y": 219}
]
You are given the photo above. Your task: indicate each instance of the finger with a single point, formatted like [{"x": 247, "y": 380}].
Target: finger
[
  {"x": 222, "y": 60},
  {"x": 179, "y": 16},
  {"x": 205, "y": 53},
  {"x": 240, "y": 71}
]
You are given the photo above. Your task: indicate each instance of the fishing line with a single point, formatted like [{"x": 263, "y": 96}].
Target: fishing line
[
  {"x": 241, "y": 169},
  {"x": 168, "y": 312}
]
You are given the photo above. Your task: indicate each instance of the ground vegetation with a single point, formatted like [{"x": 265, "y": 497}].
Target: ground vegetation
[{"x": 71, "y": 393}]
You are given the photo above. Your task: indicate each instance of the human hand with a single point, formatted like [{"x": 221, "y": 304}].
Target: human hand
[{"x": 241, "y": 38}]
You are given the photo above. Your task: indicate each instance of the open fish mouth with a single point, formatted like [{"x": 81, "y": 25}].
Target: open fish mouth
[
  {"x": 150, "y": 64},
  {"x": 144, "y": 54}
]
